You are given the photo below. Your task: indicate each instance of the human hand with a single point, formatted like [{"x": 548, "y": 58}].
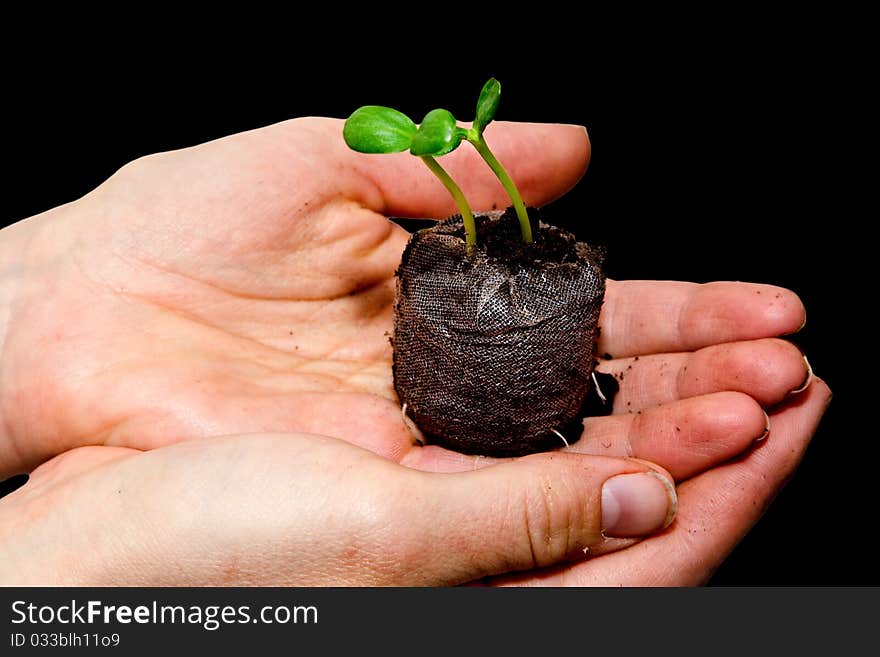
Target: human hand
[
  {"x": 306, "y": 510},
  {"x": 245, "y": 286}
]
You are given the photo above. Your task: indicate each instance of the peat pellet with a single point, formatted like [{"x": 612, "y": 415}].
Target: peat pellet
[{"x": 494, "y": 350}]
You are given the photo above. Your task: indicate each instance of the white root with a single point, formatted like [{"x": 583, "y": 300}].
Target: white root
[
  {"x": 598, "y": 389},
  {"x": 414, "y": 431},
  {"x": 561, "y": 436}
]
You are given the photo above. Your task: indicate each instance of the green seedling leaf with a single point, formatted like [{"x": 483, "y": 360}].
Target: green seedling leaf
[
  {"x": 437, "y": 135},
  {"x": 376, "y": 129},
  {"x": 487, "y": 104}
]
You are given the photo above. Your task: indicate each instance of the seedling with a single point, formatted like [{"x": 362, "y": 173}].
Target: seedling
[{"x": 376, "y": 129}]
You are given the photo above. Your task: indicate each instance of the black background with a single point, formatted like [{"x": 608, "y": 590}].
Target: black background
[{"x": 719, "y": 153}]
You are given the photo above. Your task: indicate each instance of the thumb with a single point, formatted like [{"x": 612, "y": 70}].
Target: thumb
[
  {"x": 538, "y": 511},
  {"x": 545, "y": 160}
]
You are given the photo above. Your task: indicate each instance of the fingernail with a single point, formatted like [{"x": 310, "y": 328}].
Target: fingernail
[
  {"x": 637, "y": 504},
  {"x": 807, "y": 381},
  {"x": 766, "y": 433}
]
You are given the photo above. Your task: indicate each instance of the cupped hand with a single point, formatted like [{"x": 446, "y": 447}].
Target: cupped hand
[
  {"x": 245, "y": 285},
  {"x": 299, "y": 509}
]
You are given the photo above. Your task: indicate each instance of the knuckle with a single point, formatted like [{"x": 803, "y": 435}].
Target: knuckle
[{"x": 549, "y": 519}]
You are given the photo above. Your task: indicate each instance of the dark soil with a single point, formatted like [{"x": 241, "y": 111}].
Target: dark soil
[
  {"x": 593, "y": 404},
  {"x": 501, "y": 240}
]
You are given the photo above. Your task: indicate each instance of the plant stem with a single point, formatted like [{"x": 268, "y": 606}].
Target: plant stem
[
  {"x": 520, "y": 207},
  {"x": 470, "y": 227}
]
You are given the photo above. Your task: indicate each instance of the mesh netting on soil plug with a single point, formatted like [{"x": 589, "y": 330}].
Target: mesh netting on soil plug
[{"x": 494, "y": 352}]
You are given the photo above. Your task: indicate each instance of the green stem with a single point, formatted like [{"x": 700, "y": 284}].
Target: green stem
[
  {"x": 520, "y": 207},
  {"x": 470, "y": 227}
]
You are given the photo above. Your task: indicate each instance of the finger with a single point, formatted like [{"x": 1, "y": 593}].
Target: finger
[
  {"x": 685, "y": 437},
  {"x": 544, "y": 160},
  {"x": 716, "y": 509},
  {"x": 645, "y": 317},
  {"x": 768, "y": 370},
  {"x": 533, "y": 512}
]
